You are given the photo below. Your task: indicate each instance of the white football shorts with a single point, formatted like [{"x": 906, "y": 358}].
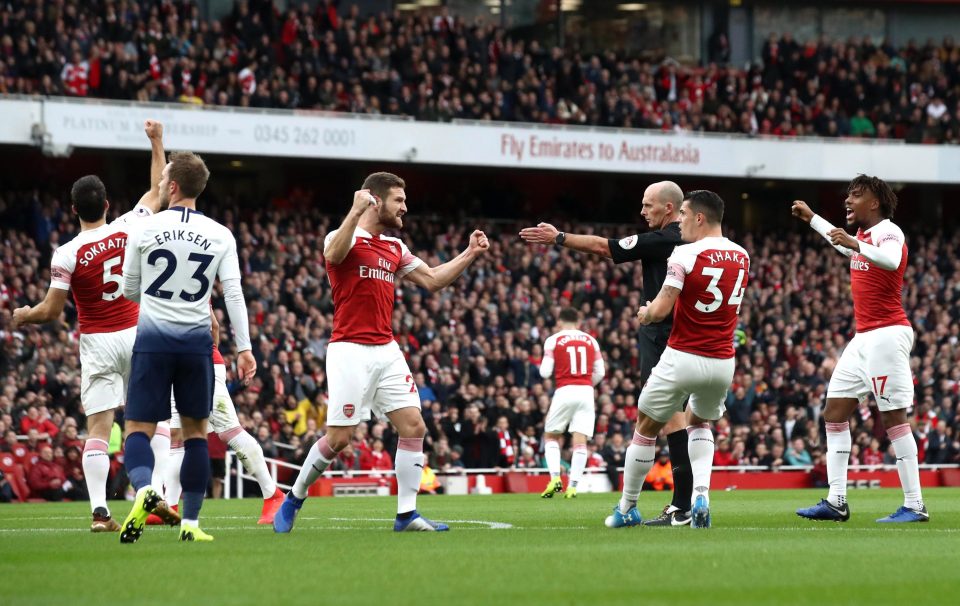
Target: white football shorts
[
  {"x": 365, "y": 379},
  {"x": 105, "y": 369},
  {"x": 877, "y": 362},
  {"x": 679, "y": 375},
  {"x": 573, "y": 409}
]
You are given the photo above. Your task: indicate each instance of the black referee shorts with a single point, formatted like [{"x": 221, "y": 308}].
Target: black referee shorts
[{"x": 651, "y": 340}]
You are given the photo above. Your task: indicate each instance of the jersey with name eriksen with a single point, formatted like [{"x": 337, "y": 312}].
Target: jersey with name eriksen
[
  {"x": 363, "y": 287},
  {"x": 89, "y": 265},
  {"x": 177, "y": 254}
]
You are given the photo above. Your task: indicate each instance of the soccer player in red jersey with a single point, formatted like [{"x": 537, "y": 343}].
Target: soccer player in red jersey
[
  {"x": 90, "y": 266},
  {"x": 704, "y": 288},
  {"x": 366, "y": 371},
  {"x": 877, "y": 360},
  {"x": 573, "y": 359}
]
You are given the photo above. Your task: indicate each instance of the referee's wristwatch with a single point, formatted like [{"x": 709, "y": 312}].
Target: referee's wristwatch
[{"x": 560, "y": 238}]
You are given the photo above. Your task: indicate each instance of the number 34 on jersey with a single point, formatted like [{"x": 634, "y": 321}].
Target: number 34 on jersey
[{"x": 712, "y": 276}]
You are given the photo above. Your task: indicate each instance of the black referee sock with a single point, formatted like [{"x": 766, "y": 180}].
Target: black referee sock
[{"x": 682, "y": 474}]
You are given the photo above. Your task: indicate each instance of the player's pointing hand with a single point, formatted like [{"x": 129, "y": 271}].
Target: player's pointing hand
[
  {"x": 801, "y": 211},
  {"x": 543, "y": 233},
  {"x": 153, "y": 129}
]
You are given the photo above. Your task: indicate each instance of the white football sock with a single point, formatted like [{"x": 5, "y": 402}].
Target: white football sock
[
  {"x": 905, "y": 448},
  {"x": 838, "y": 458},
  {"x": 577, "y": 462},
  {"x": 160, "y": 445},
  {"x": 551, "y": 452},
  {"x": 636, "y": 465},
  {"x": 172, "y": 474},
  {"x": 251, "y": 455},
  {"x": 700, "y": 447},
  {"x": 409, "y": 467},
  {"x": 96, "y": 470},
  {"x": 318, "y": 459}
]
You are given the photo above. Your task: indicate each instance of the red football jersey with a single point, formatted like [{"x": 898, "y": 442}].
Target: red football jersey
[
  {"x": 363, "y": 287},
  {"x": 712, "y": 277},
  {"x": 576, "y": 356},
  {"x": 90, "y": 265},
  {"x": 877, "y": 292}
]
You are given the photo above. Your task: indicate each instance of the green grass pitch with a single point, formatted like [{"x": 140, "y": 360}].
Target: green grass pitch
[{"x": 503, "y": 549}]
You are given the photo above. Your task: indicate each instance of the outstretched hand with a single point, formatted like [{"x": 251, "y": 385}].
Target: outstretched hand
[{"x": 543, "y": 233}]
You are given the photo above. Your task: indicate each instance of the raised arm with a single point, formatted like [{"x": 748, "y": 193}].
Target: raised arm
[
  {"x": 819, "y": 225},
  {"x": 441, "y": 276},
  {"x": 131, "y": 267},
  {"x": 545, "y": 233},
  {"x": 336, "y": 250},
  {"x": 158, "y": 159},
  {"x": 49, "y": 309}
]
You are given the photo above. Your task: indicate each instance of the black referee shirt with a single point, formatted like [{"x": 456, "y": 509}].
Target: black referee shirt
[{"x": 653, "y": 248}]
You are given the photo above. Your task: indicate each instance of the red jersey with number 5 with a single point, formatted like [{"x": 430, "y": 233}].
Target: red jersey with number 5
[
  {"x": 90, "y": 265},
  {"x": 712, "y": 277}
]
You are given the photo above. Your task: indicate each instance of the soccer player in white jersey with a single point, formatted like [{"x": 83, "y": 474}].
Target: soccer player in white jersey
[
  {"x": 171, "y": 262},
  {"x": 89, "y": 265},
  {"x": 225, "y": 423},
  {"x": 366, "y": 371},
  {"x": 705, "y": 284},
  {"x": 573, "y": 359},
  {"x": 877, "y": 360}
]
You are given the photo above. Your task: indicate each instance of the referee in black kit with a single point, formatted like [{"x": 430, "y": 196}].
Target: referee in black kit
[{"x": 661, "y": 208}]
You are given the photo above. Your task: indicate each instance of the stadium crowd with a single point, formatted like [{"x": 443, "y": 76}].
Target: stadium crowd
[
  {"x": 476, "y": 346},
  {"x": 436, "y": 66}
]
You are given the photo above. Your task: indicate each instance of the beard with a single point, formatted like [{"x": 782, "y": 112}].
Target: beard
[{"x": 388, "y": 219}]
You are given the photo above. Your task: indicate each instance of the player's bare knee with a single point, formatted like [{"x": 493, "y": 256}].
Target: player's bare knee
[
  {"x": 140, "y": 427},
  {"x": 99, "y": 425},
  {"x": 892, "y": 418},
  {"x": 838, "y": 410},
  {"x": 338, "y": 437}
]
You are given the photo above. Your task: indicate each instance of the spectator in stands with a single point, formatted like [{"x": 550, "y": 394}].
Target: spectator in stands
[
  {"x": 797, "y": 454},
  {"x": 47, "y": 479},
  {"x": 376, "y": 459}
]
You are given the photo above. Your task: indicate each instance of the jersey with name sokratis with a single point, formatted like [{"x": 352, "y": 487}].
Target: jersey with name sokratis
[
  {"x": 90, "y": 266},
  {"x": 877, "y": 292},
  {"x": 574, "y": 354},
  {"x": 363, "y": 287},
  {"x": 712, "y": 277},
  {"x": 177, "y": 254}
]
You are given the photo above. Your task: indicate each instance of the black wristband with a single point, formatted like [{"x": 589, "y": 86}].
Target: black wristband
[{"x": 560, "y": 238}]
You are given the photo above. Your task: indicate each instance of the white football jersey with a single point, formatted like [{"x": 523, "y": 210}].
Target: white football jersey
[{"x": 170, "y": 264}]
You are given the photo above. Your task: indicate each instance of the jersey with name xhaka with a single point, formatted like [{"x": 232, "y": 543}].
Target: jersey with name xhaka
[{"x": 712, "y": 277}]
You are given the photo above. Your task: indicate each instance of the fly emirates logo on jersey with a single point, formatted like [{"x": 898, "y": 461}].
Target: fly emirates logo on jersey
[
  {"x": 89, "y": 254},
  {"x": 858, "y": 264},
  {"x": 385, "y": 271}
]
